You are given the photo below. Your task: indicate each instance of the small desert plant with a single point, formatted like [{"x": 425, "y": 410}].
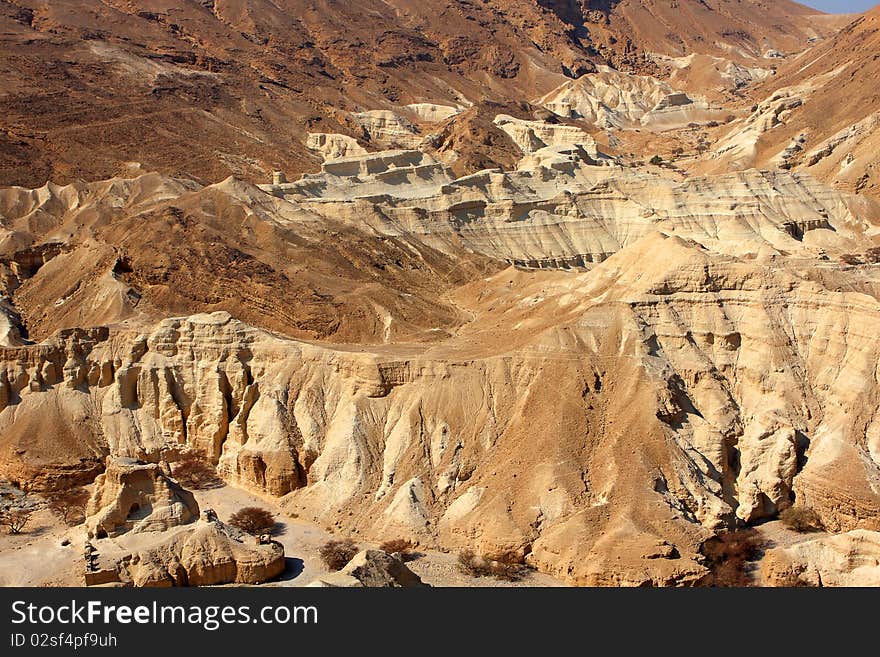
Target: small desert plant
[
  {"x": 14, "y": 518},
  {"x": 656, "y": 160},
  {"x": 69, "y": 505},
  {"x": 194, "y": 471},
  {"x": 470, "y": 564},
  {"x": 801, "y": 519},
  {"x": 504, "y": 567},
  {"x": 253, "y": 520},
  {"x": 851, "y": 259},
  {"x": 728, "y": 554},
  {"x": 336, "y": 554},
  {"x": 400, "y": 547}
]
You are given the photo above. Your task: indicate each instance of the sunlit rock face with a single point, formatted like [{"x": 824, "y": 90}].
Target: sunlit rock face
[
  {"x": 132, "y": 496},
  {"x": 543, "y": 282},
  {"x": 663, "y": 358}
]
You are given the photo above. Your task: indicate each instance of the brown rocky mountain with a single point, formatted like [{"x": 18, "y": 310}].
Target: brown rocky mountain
[
  {"x": 209, "y": 89},
  {"x": 521, "y": 291},
  {"x": 820, "y": 115},
  {"x": 621, "y": 30}
]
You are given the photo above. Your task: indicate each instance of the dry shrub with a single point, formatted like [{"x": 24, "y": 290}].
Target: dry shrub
[
  {"x": 194, "y": 471},
  {"x": 801, "y": 519},
  {"x": 15, "y": 518},
  {"x": 69, "y": 506},
  {"x": 398, "y": 546},
  {"x": 253, "y": 520},
  {"x": 336, "y": 554},
  {"x": 470, "y": 564},
  {"x": 728, "y": 555},
  {"x": 506, "y": 566}
]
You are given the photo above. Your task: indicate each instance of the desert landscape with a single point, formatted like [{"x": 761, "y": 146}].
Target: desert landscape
[{"x": 399, "y": 294}]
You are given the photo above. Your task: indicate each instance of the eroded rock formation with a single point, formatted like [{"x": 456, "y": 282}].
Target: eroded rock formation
[
  {"x": 611, "y": 99},
  {"x": 205, "y": 553},
  {"x": 132, "y": 496},
  {"x": 664, "y": 359},
  {"x": 850, "y": 559}
]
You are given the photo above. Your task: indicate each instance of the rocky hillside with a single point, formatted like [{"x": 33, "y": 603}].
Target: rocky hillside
[
  {"x": 819, "y": 115},
  {"x": 587, "y": 284},
  {"x": 208, "y": 89},
  {"x": 663, "y": 358},
  {"x": 745, "y": 30}
]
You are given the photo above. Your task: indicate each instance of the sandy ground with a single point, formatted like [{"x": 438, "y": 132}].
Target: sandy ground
[
  {"x": 776, "y": 534},
  {"x": 38, "y": 558}
]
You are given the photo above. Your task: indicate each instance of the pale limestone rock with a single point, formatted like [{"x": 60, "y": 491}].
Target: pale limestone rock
[
  {"x": 710, "y": 73},
  {"x": 691, "y": 351},
  {"x": 739, "y": 147},
  {"x": 431, "y": 112},
  {"x": 768, "y": 465},
  {"x": 387, "y": 128},
  {"x": 333, "y": 146},
  {"x": 407, "y": 511},
  {"x": 10, "y": 335},
  {"x": 204, "y": 554},
  {"x": 850, "y": 559},
  {"x": 131, "y": 496},
  {"x": 838, "y": 147},
  {"x": 408, "y": 172},
  {"x": 615, "y": 100},
  {"x": 559, "y": 211},
  {"x": 335, "y": 581},
  {"x": 532, "y": 136}
]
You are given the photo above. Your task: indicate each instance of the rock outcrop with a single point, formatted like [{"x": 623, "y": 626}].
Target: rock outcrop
[
  {"x": 205, "y": 553},
  {"x": 334, "y": 146},
  {"x": 850, "y": 559},
  {"x": 388, "y": 128},
  {"x": 557, "y": 210},
  {"x": 431, "y": 112},
  {"x": 804, "y": 102},
  {"x": 532, "y": 136},
  {"x": 611, "y": 99},
  {"x": 479, "y": 320},
  {"x": 371, "y": 569},
  {"x": 132, "y": 496},
  {"x": 10, "y": 332}
]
